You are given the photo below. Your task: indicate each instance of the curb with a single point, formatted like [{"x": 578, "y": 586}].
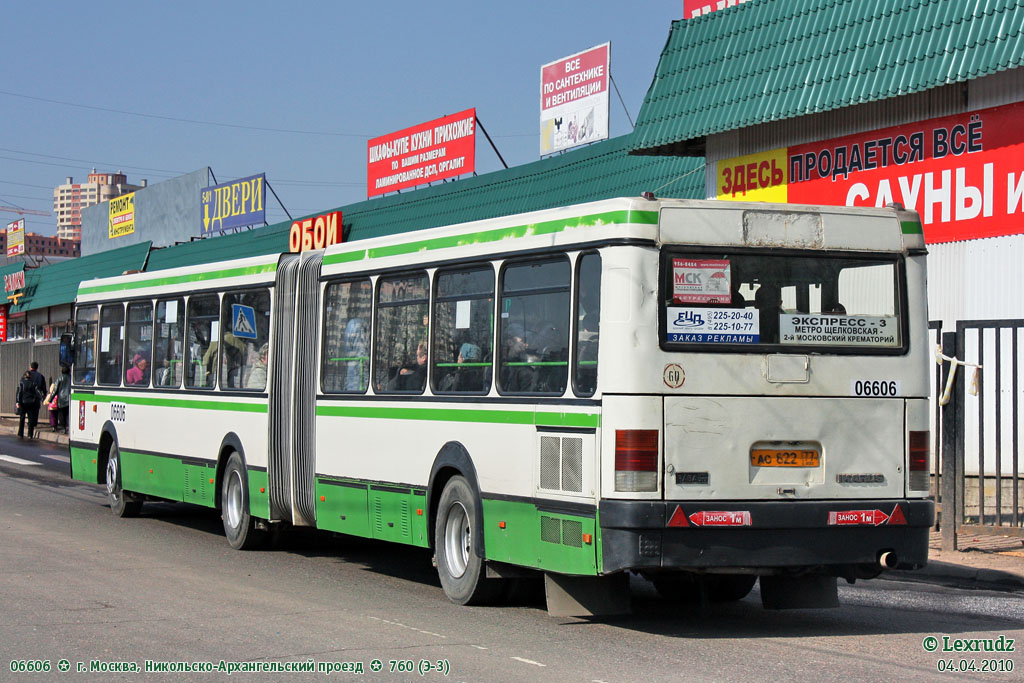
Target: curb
[
  {"x": 10, "y": 427},
  {"x": 960, "y": 576}
]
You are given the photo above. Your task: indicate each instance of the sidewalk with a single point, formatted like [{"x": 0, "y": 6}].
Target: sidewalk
[
  {"x": 982, "y": 562},
  {"x": 9, "y": 425}
]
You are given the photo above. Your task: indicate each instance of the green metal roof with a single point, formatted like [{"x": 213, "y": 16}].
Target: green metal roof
[
  {"x": 256, "y": 242},
  {"x": 58, "y": 283},
  {"x": 769, "y": 60},
  {"x": 598, "y": 171}
]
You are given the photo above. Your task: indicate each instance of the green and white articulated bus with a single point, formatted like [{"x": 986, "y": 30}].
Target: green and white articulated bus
[{"x": 699, "y": 392}]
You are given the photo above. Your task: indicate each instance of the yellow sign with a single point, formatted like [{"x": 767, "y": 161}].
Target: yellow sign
[
  {"x": 757, "y": 177},
  {"x": 122, "y": 215},
  {"x": 16, "y": 238}
]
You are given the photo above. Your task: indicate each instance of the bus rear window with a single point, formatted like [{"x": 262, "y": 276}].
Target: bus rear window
[{"x": 822, "y": 302}]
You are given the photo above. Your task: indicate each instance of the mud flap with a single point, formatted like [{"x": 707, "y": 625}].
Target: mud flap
[
  {"x": 587, "y": 596},
  {"x": 799, "y": 592}
]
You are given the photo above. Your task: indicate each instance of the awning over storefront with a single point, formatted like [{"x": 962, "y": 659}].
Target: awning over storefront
[
  {"x": 58, "y": 283},
  {"x": 767, "y": 61}
]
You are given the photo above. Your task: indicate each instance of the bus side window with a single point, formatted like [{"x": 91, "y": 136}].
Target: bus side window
[
  {"x": 86, "y": 319},
  {"x": 400, "y": 342},
  {"x": 168, "y": 347},
  {"x": 534, "y": 357},
  {"x": 463, "y": 331},
  {"x": 346, "y": 353},
  {"x": 588, "y": 323},
  {"x": 111, "y": 344},
  {"x": 139, "y": 347},
  {"x": 245, "y": 328},
  {"x": 202, "y": 341}
]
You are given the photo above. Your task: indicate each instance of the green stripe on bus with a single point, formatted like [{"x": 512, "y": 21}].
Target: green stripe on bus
[
  {"x": 498, "y": 234},
  {"x": 174, "y": 403},
  {"x": 520, "y": 417},
  {"x": 911, "y": 228},
  {"x": 181, "y": 279}
]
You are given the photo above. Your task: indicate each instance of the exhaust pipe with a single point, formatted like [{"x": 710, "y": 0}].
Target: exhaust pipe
[{"x": 887, "y": 560}]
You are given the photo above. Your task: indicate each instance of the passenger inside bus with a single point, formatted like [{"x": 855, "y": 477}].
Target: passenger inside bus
[
  {"x": 413, "y": 375},
  {"x": 138, "y": 373},
  {"x": 356, "y": 349}
]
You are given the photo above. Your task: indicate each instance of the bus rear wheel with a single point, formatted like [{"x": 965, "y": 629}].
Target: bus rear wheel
[
  {"x": 462, "y": 572},
  {"x": 239, "y": 525},
  {"x": 122, "y": 503}
]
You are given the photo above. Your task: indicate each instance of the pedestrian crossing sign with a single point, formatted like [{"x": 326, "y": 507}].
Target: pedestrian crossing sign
[{"x": 243, "y": 323}]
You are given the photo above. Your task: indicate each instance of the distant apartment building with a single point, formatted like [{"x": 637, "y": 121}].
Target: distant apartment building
[
  {"x": 42, "y": 245},
  {"x": 70, "y": 198}
]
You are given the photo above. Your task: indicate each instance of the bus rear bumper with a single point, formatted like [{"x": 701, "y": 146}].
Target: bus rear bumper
[{"x": 765, "y": 536}]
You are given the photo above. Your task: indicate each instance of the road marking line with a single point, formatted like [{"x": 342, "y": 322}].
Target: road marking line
[
  {"x": 411, "y": 628},
  {"x": 528, "y": 661},
  {"x": 61, "y": 458},
  {"x": 18, "y": 461},
  {"x": 479, "y": 647}
]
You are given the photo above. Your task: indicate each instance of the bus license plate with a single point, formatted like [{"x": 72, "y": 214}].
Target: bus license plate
[{"x": 772, "y": 457}]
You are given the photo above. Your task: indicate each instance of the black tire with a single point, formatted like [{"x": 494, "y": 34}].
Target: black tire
[
  {"x": 462, "y": 572},
  {"x": 239, "y": 525},
  {"x": 685, "y": 588},
  {"x": 122, "y": 503}
]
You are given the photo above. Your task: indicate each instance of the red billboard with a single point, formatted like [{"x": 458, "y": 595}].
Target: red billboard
[
  {"x": 3, "y": 322},
  {"x": 697, "y": 8},
  {"x": 963, "y": 173},
  {"x": 439, "y": 149},
  {"x": 574, "y": 100}
]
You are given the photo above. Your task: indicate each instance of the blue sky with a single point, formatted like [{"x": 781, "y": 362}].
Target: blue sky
[{"x": 333, "y": 73}]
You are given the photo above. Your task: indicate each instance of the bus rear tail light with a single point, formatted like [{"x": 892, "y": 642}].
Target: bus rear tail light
[
  {"x": 919, "y": 479},
  {"x": 636, "y": 460}
]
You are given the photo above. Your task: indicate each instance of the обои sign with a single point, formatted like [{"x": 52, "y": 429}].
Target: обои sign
[
  {"x": 235, "y": 204},
  {"x": 439, "y": 149},
  {"x": 963, "y": 173}
]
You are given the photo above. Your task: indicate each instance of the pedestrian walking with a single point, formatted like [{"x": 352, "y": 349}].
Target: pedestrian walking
[
  {"x": 63, "y": 398},
  {"x": 38, "y": 378},
  {"x": 28, "y": 397}
]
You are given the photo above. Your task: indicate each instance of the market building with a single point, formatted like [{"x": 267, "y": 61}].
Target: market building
[{"x": 863, "y": 102}]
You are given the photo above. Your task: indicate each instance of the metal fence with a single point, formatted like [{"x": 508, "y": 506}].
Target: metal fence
[
  {"x": 15, "y": 357},
  {"x": 979, "y": 428}
]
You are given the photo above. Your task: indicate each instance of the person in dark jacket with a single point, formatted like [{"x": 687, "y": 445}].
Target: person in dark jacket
[
  {"x": 37, "y": 377},
  {"x": 63, "y": 398},
  {"x": 28, "y": 397}
]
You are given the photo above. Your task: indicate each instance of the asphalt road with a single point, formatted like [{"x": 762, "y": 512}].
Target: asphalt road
[{"x": 81, "y": 585}]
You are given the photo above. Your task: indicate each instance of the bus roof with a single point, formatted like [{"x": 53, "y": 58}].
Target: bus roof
[{"x": 658, "y": 221}]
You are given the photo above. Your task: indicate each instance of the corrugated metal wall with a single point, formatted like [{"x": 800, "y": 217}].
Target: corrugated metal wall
[
  {"x": 15, "y": 357},
  {"x": 976, "y": 280}
]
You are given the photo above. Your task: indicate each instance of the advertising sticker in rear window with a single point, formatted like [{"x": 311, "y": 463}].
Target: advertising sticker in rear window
[
  {"x": 712, "y": 326},
  {"x": 839, "y": 330},
  {"x": 701, "y": 281}
]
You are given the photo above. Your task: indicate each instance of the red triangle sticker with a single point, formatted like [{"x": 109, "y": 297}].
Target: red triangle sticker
[
  {"x": 897, "y": 516},
  {"x": 678, "y": 518}
]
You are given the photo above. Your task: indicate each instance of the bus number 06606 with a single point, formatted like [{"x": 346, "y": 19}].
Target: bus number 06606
[{"x": 875, "y": 387}]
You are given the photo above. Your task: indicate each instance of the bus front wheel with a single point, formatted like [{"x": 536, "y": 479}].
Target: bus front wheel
[
  {"x": 462, "y": 572},
  {"x": 122, "y": 503},
  {"x": 239, "y": 525}
]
